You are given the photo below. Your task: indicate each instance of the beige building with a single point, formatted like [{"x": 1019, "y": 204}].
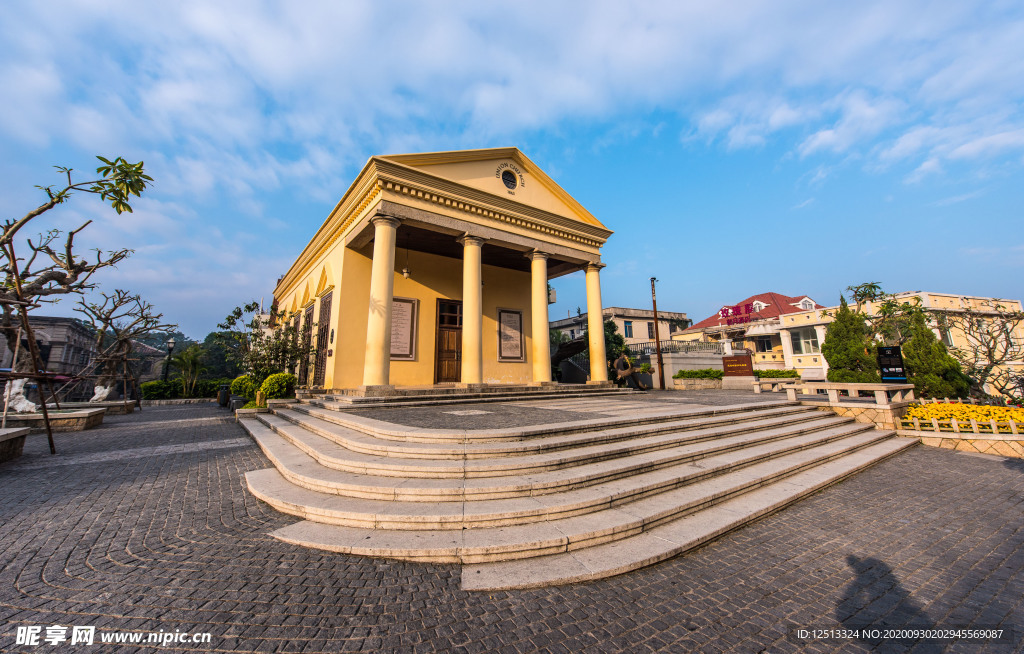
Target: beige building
[
  {"x": 635, "y": 325},
  {"x": 813, "y": 366},
  {"x": 756, "y": 325},
  {"x": 433, "y": 269}
]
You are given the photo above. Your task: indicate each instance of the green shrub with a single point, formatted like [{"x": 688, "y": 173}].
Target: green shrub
[
  {"x": 209, "y": 387},
  {"x": 243, "y": 386},
  {"x": 279, "y": 386},
  {"x": 777, "y": 374},
  {"x": 645, "y": 368},
  {"x": 160, "y": 390},
  {"x": 251, "y": 404},
  {"x": 703, "y": 373}
]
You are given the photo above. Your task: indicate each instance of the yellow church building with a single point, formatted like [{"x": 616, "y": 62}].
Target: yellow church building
[{"x": 433, "y": 269}]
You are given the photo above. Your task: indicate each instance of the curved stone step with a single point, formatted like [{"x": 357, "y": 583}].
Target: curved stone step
[
  {"x": 390, "y": 431},
  {"x": 654, "y": 496},
  {"x": 668, "y": 540},
  {"x": 357, "y": 441},
  {"x": 341, "y": 458},
  {"x": 355, "y": 403},
  {"x": 305, "y": 471}
]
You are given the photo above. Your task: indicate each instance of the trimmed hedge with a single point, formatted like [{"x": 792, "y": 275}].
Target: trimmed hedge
[
  {"x": 777, "y": 374},
  {"x": 160, "y": 390},
  {"x": 243, "y": 386},
  {"x": 279, "y": 386},
  {"x": 171, "y": 389},
  {"x": 703, "y": 373}
]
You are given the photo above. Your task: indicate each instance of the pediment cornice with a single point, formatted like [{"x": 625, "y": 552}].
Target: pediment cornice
[{"x": 381, "y": 177}]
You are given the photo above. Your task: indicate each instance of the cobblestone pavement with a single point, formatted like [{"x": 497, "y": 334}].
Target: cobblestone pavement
[{"x": 145, "y": 525}]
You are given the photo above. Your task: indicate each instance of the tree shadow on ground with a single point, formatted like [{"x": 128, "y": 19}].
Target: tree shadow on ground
[
  {"x": 1016, "y": 465},
  {"x": 875, "y": 600}
]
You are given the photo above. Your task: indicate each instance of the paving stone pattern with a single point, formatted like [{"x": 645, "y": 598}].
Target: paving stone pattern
[
  {"x": 523, "y": 413},
  {"x": 173, "y": 541}
]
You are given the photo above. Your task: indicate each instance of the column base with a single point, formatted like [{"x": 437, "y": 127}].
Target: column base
[
  {"x": 545, "y": 383},
  {"x": 607, "y": 383},
  {"x": 377, "y": 390}
]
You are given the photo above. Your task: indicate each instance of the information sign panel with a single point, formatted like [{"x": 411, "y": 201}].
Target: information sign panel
[{"x": 890, "y": 363}]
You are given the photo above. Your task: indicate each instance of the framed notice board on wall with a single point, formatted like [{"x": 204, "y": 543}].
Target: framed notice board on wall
[
  {"x": 510, "y": 335},
  {"x": 403, "y": 329}
]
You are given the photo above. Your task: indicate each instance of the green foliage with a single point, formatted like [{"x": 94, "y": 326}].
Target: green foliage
[
  {"x": 848, "y": 348},
  {"x": 777, "y": 374},
  {"x": 263, "y": 344},
  {"x": 170, "y": 390},
  {"x": 251, "y": 404},
  {"x": 189, "y": 364},
  {"x": 160, "y": 390},
  {"x": 703, "y": 373},
  {"x": 278, "y": 386},
  {"x": 614, "y": 345},
  {"x": 929, "y": 366},
  {"x": 217, "y": 359},
  {"x": 243, "y": 386},
  {"x": 158, "y": 339}
]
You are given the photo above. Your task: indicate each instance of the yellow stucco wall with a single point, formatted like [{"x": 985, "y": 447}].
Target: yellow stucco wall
[{"x": 432, "y": 277}]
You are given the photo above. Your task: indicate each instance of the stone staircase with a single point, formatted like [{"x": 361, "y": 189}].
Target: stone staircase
[{"x": 547, "y": 504}]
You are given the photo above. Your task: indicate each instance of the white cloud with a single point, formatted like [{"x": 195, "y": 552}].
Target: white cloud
[{"x": 862, "y": 117}]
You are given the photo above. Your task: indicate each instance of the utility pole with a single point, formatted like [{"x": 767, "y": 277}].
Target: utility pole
[{"x": 657, "y": 337}]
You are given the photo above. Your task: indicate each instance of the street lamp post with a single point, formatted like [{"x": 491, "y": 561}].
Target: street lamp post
[
  {"x": 167, "y": 363},
  {"x": 657, "y": 337}
]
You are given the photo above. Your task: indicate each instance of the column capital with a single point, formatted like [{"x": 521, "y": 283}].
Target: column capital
[
  {"x": 386, "y": 220},
  {"x": 467, "y": 239},
  {"x": 536, "y": 255},
  {"x": 594, "y": 266}
]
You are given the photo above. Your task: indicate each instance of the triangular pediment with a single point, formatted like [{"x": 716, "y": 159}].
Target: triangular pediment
[{"x": 504, "y": 172}]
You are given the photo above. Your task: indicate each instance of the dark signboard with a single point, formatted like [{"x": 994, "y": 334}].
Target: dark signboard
[
  {"x": 890, "y": 363},
  {"x": 740, "y": 365}
]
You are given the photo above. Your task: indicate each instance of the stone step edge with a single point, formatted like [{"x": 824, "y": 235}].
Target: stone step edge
[
  {"x": 736, "y": 481},
  {"x": 459, "y": 468},
  {"x": 541, "y": 445},
  {"x": 407, "y": 493},
  {"x": 388, "y": 431},
  {"x": 500, "y": 390},
  {"x": 339, "y": 404},
  {"x": 668, "y": 540}
]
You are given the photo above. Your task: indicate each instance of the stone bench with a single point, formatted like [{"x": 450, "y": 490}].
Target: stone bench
[
  {"x": 901, "y": 392},
  {"x": 12, "y": 442},
  {"x": 774, "y": 384}
]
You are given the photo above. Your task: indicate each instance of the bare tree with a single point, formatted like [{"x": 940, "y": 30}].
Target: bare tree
[
  {"x": 120, "y": 319},
  {"x": 991, "y": 340},
  {"x": 52, "y": 268}
]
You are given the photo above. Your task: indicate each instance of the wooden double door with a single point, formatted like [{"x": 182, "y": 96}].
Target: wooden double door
[{"x": 448, "y": 349}]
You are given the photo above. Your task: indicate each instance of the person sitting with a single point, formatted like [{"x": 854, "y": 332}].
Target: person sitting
[{"x": 624, "y": 368}]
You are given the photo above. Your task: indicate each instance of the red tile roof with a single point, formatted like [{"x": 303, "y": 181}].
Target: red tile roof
[{"x": 742, "y": 312}]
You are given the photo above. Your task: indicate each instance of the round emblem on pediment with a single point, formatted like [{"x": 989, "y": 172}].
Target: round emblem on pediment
[{"x": 509, "y": 179}]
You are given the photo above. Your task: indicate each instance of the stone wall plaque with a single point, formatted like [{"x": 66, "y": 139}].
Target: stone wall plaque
[
  {"x": 740, "y": 365},
  {"x": 510, "y": 335},
  {"x": 403, "y": 329}
]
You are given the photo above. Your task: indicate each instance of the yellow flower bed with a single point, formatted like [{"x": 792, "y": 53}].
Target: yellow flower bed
[{"x": 944, "y": 414}]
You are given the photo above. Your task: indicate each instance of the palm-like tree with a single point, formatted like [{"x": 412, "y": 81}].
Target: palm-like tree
[{"x": 189, "y": 363}]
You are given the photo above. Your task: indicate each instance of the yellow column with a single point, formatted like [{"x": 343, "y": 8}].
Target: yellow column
[
  {"x": 472, "y": 311},
  {"x": 377, "y": 366},
  {"x": 595, "y": 325},
  {"x": 539, "y": 306}
]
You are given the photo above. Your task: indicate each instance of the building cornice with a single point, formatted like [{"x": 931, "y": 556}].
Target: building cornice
[{"x": 381, "y": 177}]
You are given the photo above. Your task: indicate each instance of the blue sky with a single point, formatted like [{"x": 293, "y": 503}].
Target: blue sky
[{"x": 734, "y": 148}]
